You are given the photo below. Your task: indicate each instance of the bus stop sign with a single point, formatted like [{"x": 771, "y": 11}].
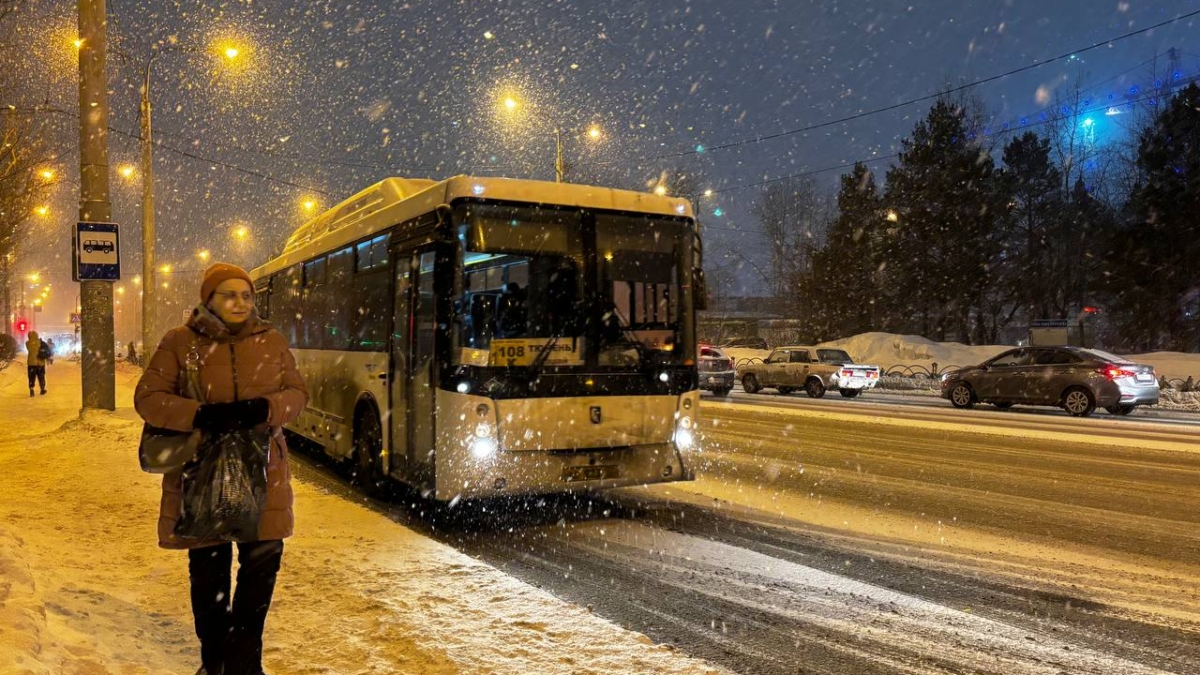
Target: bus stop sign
[{"x": 96, "y": 252}]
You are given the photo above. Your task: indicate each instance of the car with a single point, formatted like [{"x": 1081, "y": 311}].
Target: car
[
  {"x": 814, "y": 369},
  {"x": 1075, "y": 379},
  {"x": 745, "y": 343},
  {"x": 716, "y": 371}
]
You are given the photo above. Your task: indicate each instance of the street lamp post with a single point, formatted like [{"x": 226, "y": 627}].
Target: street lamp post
[
  {"x": 558, "y": 160},
  {"x": 148, "y": 234},
  {"x": 147, "y": 211},
  {"x": 149, "y": 288}
]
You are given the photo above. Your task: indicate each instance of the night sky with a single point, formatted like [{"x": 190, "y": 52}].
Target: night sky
[{"x": 332, "y": 96}]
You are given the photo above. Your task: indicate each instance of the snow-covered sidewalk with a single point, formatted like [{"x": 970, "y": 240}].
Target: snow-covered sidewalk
[{"x": 84, "y": 589}]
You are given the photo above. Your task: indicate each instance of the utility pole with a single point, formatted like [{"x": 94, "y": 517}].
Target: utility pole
[{"x": 99, "y": 363}]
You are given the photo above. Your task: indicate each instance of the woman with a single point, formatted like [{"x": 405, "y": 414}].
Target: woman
[{"x": 249, "y": 378}]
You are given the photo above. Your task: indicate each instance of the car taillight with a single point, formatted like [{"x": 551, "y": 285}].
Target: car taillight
[
  {"x": 847, "y": 373},
  {"x": 1113, "y": 373}
]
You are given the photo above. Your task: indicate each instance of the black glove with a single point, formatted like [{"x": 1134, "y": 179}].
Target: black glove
[{"x": 230, "y": 416}]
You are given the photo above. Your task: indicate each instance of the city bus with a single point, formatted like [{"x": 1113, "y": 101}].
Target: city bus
[{"x": 479, "y": 337}]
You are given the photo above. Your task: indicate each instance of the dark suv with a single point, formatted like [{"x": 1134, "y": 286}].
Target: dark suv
[{"x": 1075, "y": 379}]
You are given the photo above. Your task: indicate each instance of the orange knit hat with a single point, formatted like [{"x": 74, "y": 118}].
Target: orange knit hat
[{"x": 219, "y": 272}]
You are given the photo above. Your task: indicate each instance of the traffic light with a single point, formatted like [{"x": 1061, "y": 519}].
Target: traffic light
[{"x": 22, "y": 325}]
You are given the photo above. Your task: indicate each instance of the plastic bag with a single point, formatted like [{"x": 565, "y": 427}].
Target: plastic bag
[{"x": 225, "y": 488}]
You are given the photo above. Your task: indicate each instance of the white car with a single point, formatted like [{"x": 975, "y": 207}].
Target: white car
[{"x": 814, "y": 369}]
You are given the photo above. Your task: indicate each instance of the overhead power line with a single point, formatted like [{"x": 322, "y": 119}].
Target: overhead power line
[
  {"x": 1083, "y": 111},
  {"x": 928, "y": 97}
]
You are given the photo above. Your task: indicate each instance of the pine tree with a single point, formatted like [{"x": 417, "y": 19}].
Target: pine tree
[
  {"x": 946, "y": 243},
  {"x": 842, "y": 287},
  {"x": 1032, "y": 184},
  {"x": 1155, "y": 269}
]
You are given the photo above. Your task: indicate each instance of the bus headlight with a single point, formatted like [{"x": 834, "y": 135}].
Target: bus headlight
[
  {"x": 685, "y": 423},
  {"x": 483, "y": 448},
  {"x": 684, "y": 438}
]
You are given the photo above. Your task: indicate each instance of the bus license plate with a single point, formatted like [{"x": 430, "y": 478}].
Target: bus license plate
[{"x": 574, "y": 474}]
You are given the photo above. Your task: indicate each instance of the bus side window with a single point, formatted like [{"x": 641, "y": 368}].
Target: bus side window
[
  {"x": 313, "y": 304},
  {"x": 262, "y": 298},
  {"x": 336, "y": 333},
  {"x": 424, "y": 315},
  {"x": 285, "y": 303}
]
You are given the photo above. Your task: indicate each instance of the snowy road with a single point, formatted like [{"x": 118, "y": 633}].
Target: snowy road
[
  {"x": 814, "y": 541},
  {"x": 818, "y": 542},
  {"x": 887, "y": 401}
]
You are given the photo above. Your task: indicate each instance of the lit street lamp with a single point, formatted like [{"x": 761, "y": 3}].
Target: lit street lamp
[{"x": 512, "y": 105}]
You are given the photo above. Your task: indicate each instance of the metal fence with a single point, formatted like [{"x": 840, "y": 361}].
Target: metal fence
[{"x": 935, "y": 371}]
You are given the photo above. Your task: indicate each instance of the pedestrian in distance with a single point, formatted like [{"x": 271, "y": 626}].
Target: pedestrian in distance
[
  {"x": 36, "y": 351},
  {"x": 248, "y": 378},
  {"x": 50, "y": 352},
  {"x": 132, "y": 357}
]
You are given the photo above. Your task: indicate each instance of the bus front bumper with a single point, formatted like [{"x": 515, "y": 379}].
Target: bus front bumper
[{"x": 515, "y": 473}]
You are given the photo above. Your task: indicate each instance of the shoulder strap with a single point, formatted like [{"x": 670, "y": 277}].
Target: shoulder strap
[{"x": 191, "y": 372}]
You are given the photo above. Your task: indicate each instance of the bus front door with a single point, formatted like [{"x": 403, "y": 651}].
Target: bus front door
[{"x": 412, "y": 386}]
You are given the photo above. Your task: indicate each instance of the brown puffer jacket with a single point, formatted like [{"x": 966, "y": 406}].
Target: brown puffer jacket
[{"x": 256, "y": 362}]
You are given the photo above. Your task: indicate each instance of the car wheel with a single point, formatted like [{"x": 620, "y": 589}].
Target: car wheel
[
  {"x": 1078, "y": 402},
  {"x": 850, "y": 393},
  {"x": 1119, "y": 409},
  {"x": 722, "y": 392},
  {"x": 368, "y": 466},
  {"x": 1003, "y": 405},
  {"x": 786, "y": 390},
  {"x": 961, "y": 396},
  {"x": 814, "y": 388},
  {"x": 750, "y": 384}
]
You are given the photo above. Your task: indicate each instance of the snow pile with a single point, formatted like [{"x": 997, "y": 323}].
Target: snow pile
[
  {"x": 85, "y": 589},
  {"x": 1179, "y": 400},
  {"x": 887, "y": 351}
]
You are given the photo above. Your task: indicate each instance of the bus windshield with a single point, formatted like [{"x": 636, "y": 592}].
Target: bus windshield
[{"x": 537, "y": 290}]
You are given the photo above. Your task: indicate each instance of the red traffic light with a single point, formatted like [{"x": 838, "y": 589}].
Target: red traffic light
[{"x": 22, "y": 325}]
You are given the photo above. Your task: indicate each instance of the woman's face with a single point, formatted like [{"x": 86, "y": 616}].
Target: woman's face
[{"x": 232, "y": 302}]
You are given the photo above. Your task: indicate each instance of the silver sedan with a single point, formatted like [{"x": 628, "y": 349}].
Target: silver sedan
[{"x": 1075, "y": 379}]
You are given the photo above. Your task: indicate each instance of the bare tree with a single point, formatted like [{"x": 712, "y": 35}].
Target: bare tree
[
  {"x": 24, "y": 151},
  {"x": 794, "y": 216}
]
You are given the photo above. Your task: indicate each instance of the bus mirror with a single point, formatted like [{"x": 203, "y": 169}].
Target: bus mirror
[{"x": 699, "y": 289}]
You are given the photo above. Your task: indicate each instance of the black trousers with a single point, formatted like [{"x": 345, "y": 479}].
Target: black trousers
[
  {"x": 230, "y": 632},
  {"x": 37, "y": 373}
]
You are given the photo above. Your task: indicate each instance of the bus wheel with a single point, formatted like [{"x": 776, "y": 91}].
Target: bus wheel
[{"x": 368, "y": 466}]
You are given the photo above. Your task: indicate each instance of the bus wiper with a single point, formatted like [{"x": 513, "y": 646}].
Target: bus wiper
[
  {"x": 630, "y": 337},
  {"x": 535, "y": 368}
]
